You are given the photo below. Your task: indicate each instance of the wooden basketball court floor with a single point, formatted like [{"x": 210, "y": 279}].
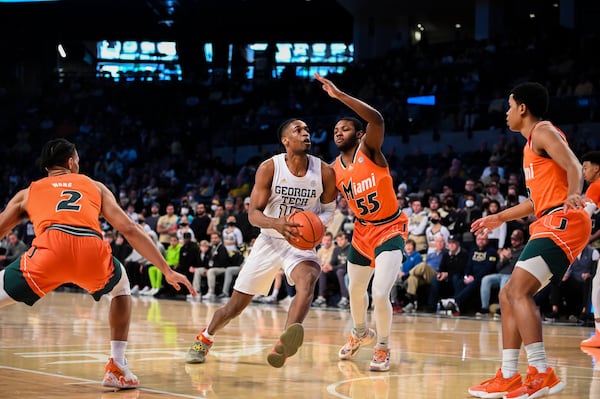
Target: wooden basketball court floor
[{"x": 58, "y": 348}]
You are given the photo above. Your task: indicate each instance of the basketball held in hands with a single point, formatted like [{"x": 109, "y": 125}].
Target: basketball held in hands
[{"x": 310, "y": 231}]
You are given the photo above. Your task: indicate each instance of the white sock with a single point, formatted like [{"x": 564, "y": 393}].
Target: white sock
[
  {"x": 510, "y": 362},
  {"x": 117, "y": 351},
  {"x": 536, "y": 356},
  {"x": 274, "y": 293},
  {"x": 596, "y": 297},
  {"x": 208, "y": 336}
]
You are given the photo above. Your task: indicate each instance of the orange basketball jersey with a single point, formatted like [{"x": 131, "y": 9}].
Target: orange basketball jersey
[
  {"x": 367, "y": 187},
  {"x": 71, "y": 199},
  {"x": 370, "y": 194},
  {"x": 593, "y": 192},
  {"x": 546, "y": 181}
]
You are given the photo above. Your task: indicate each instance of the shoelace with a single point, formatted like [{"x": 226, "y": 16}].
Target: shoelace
[
  {"x": 497, "y": 377},
  {"x": 352, "y": 341},
  {"x": 495, "y": 383},
  {"x": 533, "y": 381},
  {"x": 380, "y": 355},
  {"x": 201, "y": 347}
]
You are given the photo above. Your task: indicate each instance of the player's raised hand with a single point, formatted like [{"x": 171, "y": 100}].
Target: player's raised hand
[{"x": 328, "y": 86}]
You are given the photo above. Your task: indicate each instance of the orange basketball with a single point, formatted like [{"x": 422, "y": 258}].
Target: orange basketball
[{"x": 310, "y": 232}]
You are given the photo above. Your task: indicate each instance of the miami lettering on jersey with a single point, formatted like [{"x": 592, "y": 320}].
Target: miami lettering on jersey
[
  {"x": 357, "y": 188},
  {"x": 528, "y": 171}
]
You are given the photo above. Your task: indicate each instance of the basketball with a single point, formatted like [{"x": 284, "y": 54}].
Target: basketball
[{"x": 310, "y": 232}]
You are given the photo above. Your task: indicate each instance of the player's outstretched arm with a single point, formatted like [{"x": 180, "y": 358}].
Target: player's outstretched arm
[
  {"x": 137, "y": 237},
  {"x": 13, "y": 213},
  {"x": 375, "y": 129}
]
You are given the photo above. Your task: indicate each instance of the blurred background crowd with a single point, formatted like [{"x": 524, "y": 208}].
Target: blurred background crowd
[{"x": 188, "y": 149}]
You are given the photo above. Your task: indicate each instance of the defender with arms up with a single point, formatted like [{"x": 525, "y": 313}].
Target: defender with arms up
[
  {"x": 65, "y": 209},
  {"x": 363, "y": 177}
]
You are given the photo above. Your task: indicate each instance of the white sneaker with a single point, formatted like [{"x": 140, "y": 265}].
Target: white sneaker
[
  {"x": 320, "y": 302},
  {"x": 269, "y": 300},
  {"x": 344, "y": 303},
  {"x": 209, "y": 296},
  {"x": 448, "y": 303},
  {"x": 257, "y": 298},
  {"x": 145, "y": 290},
  {"x": 409, "y": 307},
  {"x": 135, "y": 290},
  {"x": 191, "y": 298}
]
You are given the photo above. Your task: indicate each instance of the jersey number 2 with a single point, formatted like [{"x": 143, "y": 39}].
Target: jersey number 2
[{"x": 69, "y": 204}]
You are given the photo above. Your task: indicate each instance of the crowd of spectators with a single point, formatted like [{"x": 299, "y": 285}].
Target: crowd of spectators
[{"x": 152, "y": 142}]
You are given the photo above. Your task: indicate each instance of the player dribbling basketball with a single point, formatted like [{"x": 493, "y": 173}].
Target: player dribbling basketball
[
  {"x": 310, "y": 230},
  {"x": 286, "y": 182}
]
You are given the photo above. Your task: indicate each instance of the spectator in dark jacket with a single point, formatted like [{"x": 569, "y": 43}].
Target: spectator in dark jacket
[
  {"x": 14, "y": 249},
  {"x": 120, "y": 247},
  {"x": 507, "y": 259},
  {"x": 450, "y": 273},
  {"x": 219, "y": 261},
  {"x": 481, "y": 261},
  {"x": 189, "y": 256}
]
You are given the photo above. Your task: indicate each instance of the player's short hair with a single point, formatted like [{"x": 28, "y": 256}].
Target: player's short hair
[
  {"x": 283, "y": 126},
  {"x": 56, "y": 153},
  {"x": 534, "y": 95},
  {"x": 591, "y": 157},
  {"x": 358, "y": 125}
]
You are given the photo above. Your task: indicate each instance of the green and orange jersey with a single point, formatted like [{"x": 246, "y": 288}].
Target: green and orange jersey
[
  {"x": 369, "y": 192},
  {"x": 593, "y": 192},
  {"x": 367, "y": 187},
  {"x": 548, "y": 189},
  {"x": 546, "y": 181},
  {"x": 70, "y": 199}
]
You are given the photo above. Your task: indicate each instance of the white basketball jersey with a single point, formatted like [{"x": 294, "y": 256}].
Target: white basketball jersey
[{"x": 290, "y": 192}]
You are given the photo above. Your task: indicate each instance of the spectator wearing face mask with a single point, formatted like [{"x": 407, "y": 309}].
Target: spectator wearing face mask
[
  {"x": 464, "y": 217},
  {"x": 435, "y": 229},
  {"x": 182, "y": 228},
  {"x": 497, "y": 236},
  {"x": 217, "y": 224},
  {"x": 232, "y": 235}
]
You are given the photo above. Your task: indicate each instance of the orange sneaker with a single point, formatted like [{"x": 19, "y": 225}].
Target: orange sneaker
[
  {"x": 381, "y": 360},
  {"x": 497, "y": 386},
  {"x": 537, "y": 385},
  {"x": 350, "y": 348},
  {"x": 118, "y": 376},
  {"x": 593, "y": 341}
]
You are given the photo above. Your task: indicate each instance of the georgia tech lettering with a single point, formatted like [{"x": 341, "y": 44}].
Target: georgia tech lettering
[{"x": 295, "y": 195}]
